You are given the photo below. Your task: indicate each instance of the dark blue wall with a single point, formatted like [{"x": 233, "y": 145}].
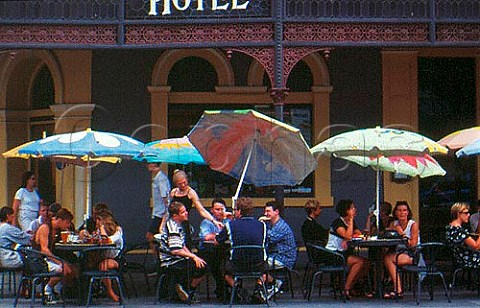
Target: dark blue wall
[{"x": 120, "y": 80}]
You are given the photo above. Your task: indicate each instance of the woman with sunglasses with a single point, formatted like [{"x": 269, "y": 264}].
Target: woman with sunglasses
[
  {"x": 465, "y": 247},
  {"x": 27, "y": 201}
]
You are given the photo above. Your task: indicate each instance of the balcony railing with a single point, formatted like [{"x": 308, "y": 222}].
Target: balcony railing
[{"x": 295, "y": 10}]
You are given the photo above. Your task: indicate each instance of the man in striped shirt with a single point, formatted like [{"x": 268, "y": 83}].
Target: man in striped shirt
[{"x": 179, "y": 258}]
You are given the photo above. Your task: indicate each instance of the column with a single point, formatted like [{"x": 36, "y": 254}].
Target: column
[
  {"x": 400, "y": 106},
  {"x": 321, "y": 131}
]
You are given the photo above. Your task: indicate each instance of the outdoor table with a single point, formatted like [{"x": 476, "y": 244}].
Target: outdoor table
[
  {"x": 375, "y": 246},
  {"x": 78, "y": 248}
]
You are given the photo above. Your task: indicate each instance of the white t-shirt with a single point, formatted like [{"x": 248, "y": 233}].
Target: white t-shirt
[
  {"x": 29, "y": 200},
  {"x": 160, "y": 190}
]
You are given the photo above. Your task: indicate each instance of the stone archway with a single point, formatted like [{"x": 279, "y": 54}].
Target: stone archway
[{"x": 217, "y": 59}]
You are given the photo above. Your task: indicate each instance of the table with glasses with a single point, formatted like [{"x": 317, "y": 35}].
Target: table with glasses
[{"x": 375, "y": 246}]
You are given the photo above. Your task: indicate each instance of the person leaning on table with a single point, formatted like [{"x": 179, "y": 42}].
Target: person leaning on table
[
  {"x": 342, "y": 230},
  {"x": 465, "y": 248}
]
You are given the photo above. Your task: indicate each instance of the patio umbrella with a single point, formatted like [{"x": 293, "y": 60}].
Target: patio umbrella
[
  {"x": 422, "y": 166},
  {"x": 377, "y": 143},
  {"x": 252, "y": 147},
  {"x": 172, "y": 150},
  {"x": 461, "y": 138},
  {"x": 471, "y": 149},
  {"x": 81, "y": 148}
]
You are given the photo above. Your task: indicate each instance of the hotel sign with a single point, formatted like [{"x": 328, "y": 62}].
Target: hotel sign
[{"x": 179, "y": 9}]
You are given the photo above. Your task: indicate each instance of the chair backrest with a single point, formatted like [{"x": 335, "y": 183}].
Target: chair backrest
[
  {"x": 248, "y": 258},
  {"x": 321, "y": 255},
  {"x": 428, "y": 254},
  {"x": 35, "y": 261}
]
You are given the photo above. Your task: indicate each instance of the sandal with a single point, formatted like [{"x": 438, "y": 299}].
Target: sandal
[
  {"x": 390, "y": 295},
  {"x": 347, "y": 294},
  {"x": 370, "y": 294}
]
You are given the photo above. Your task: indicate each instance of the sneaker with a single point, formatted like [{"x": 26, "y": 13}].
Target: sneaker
[
  {"x": 182, "y": 294},
  {"x": 49, "y": 299},
  {"x": 192, "y": 299},
  {"x": 259, "y": 296},
  {"x": 278, "y": 285}
]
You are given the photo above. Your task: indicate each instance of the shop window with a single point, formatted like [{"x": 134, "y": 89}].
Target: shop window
[
  {"x": 447, "y": 103},
  {"x": 209, "y": 183},
  {"x": 43, "y": 94}
]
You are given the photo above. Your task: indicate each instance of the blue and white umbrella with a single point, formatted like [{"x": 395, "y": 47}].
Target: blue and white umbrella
[
  {"x": 173, "y": 151},
  {"x": 81, "y": 148}
]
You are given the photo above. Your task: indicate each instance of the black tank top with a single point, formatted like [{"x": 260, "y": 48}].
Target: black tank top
[{"x": 184, "y": 200}]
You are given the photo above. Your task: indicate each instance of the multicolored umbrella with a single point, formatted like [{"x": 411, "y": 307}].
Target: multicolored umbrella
[
  {"x": 422, "y": 166},
  {"x": 377, "y": 143},
  {"x": 172, "y": 150},
  {"x": 461, "y": 138},
  {"x": 81, "y": 148},
  {"x": 252, "y": 147}
]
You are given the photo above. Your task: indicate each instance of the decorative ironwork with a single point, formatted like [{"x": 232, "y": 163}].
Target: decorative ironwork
[
  {"x": 278, "y": 95},
  {"x": 140, "y": 9},
  {"x": 264, "y": 55},
  {"x": 358, "y": 9},
  {"x": 169, "y": 34},
  {"x": 60, "y": 9},
  {"x": 364, "y": 32},
  {"x": 458, "y": 33},
  {"x": 292, "y": 55},
  {"x": 99, "y": 35}
]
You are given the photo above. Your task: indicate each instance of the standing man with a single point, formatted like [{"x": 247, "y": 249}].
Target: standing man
[
  {"x": 210, "y": 250},
  {"x": 173, "y": 239},
  {"x": 281, "y": 244},
  {"x": 160, "y": 192}
]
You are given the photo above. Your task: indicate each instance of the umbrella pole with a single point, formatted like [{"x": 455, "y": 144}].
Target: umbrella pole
[
  {"x": 244, "y": 172},
  {"x": 377, "y": 197},
  {"x": 87, "y": 190}
]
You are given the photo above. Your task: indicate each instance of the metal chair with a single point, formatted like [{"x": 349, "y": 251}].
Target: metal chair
[
  {"x": 135, "y": 260},
  {"x": 96, "y": 274},
  {"x": 285, "y": 273},
  {"x": 10, "y": 273},
  {"x": 325, "y": 261},
  {"x": 35, "y": 271},
  {"x": 249, "y": 261},
  {"x": 425, "y": 264}
]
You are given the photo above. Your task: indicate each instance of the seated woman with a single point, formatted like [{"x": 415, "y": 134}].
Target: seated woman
[
  {"x": 407, "y": 228},
  {"x": 343, "y": 229},
  {"x": 108, "y": 227},
  {"x": 465, "y": 248}
]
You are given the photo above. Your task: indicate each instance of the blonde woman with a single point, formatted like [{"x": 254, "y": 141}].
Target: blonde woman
[
  {"x": 465, "y": 247},
  {"x": 108, "y": 227},
  {"x": 186, "y": 195}
]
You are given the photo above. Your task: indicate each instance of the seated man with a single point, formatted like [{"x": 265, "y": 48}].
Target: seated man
[
  {"x": 210, "y": 250},
  {"x": 244, "y": 230},
  {"x": 282, "y": 247},
  {"x": 44, "y": 241},
  {"x": 312, "y": 231},
  {"x": 10, "y": 236},
  {"x": 173, "y": 239},
  {"x": 41, "y": 219}
]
